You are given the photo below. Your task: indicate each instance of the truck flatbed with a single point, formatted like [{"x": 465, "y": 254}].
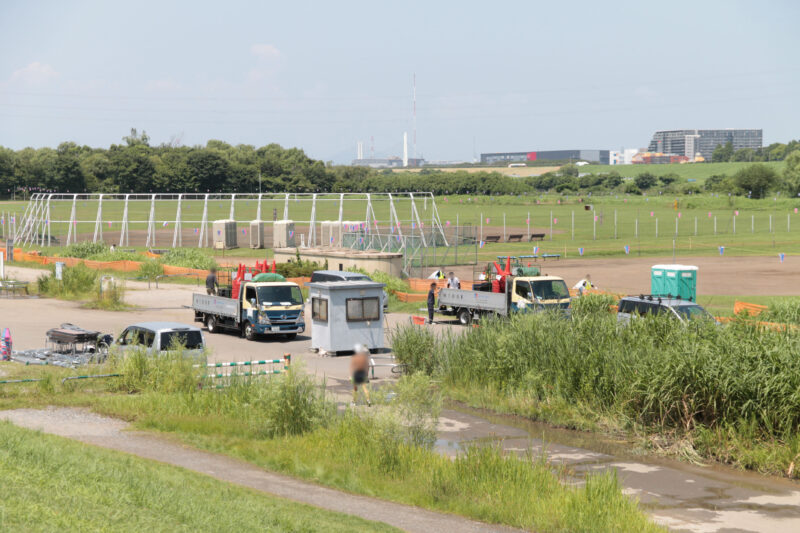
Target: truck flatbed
[{"x": 216, "y": 305}]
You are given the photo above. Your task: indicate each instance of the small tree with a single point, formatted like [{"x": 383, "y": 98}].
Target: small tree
[
  {"x": 756, "y": 180},
  {"x": 645, "y": 181}
]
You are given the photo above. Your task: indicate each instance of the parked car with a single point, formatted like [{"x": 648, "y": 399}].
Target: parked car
[
  {"x": 158, "y": 337},
  {"x": 344, "y": 275},
  {"x": 637, "y": 306}
]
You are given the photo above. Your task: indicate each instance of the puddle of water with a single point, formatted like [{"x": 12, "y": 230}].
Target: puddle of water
[{"x": 624, "y": 451}]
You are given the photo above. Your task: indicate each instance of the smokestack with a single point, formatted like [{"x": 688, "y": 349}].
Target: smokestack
[{"x": 405, "y": 148}]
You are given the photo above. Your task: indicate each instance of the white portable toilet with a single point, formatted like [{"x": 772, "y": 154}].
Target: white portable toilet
[{"x": 346, "y": 313}]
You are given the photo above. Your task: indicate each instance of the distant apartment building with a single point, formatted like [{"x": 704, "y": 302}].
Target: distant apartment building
[
  {"x": 598, "y": 156},
  {"x": 689, "y": 143}
]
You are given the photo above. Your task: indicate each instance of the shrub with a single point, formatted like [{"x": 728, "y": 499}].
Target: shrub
[
  {"x": 151, "y": 269},
  {"x": 76, "y": 282},
  {"x": 83, "y": 250},
  {"x": 188, "y": 258}
]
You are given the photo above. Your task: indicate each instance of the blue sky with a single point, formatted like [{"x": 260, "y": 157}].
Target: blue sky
[{"x": 499, "y": 76}]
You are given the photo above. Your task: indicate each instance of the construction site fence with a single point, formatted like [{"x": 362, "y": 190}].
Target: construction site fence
[{"x": 224, "y": 373}]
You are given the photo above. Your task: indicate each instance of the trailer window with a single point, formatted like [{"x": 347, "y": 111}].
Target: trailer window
[
  {"x": 319, "y": 309},
  {"x": 363, "y": 309}
]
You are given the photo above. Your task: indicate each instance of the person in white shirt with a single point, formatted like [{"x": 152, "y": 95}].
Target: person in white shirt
[
  {"x": 453, "y": 282},
  {"x": 584, "y": 284}
]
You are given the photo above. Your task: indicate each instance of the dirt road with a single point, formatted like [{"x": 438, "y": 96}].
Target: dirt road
[{"x": 757, "y": 275}]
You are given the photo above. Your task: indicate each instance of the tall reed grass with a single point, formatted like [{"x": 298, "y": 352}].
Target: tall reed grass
[{"x": 654, "y": 372}]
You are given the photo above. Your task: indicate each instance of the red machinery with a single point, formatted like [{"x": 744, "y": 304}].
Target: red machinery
[{"x": 262, "y": 267}]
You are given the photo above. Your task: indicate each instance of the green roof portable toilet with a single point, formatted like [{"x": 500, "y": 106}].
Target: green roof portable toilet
[{"x": 674, "y": 280}]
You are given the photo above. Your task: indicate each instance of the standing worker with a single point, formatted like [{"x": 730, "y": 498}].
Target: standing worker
[
  {"x": 453, "y": 282},
  {"x": 211, "y": 282},
  {"x": 359, "y": 370},
  {"x": 431, "y": 302}
]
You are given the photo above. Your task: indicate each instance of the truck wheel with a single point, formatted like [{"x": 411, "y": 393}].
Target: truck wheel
[
  {"x": 211, "y": 324},
  {"x": 249, "y": 332},
  {"x": 291, "y": 336},
  {"x": 464, "y": 317}
]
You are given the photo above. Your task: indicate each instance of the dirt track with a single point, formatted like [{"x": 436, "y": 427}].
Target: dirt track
[{"x": 717, "y": 275}]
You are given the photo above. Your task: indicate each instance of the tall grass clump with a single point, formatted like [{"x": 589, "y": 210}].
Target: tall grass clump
[
  {"x": 783, "y": 311},
  {"x": 188, "y": 258},
  {"x": 83, "y": 249},
  {"x": 77, "y": 282},
  {"x": 589, "y": 304},
  {"x": 655, "y": 372},
  {"x": 151, "y": 269}
]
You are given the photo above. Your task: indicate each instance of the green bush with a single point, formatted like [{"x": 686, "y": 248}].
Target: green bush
[
  {"x": 188, "y": 258},
  {"x": 116, "y": 255},
  {"x": 83, "y": 250},
  {"x": 76, "y": 282},
  {"x": 151, "y": 269}
]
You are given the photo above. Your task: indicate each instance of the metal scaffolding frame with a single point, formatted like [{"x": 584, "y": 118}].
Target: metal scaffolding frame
[{"x": 390, "y": 233}]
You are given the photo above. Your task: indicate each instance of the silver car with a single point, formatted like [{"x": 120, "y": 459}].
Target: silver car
[
  {"x": 638, "y": 306},
  {"x": 158, "y": 337}
]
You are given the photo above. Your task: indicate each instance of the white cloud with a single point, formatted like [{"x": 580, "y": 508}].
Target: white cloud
[
  {"x": 265, "y": 51},
  {"x": 35, "y": 73}
]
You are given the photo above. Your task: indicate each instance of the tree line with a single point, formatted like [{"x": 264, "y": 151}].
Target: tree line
[
  {"x": 724, "y": 153},
  {"x": 134, "y": 166}
]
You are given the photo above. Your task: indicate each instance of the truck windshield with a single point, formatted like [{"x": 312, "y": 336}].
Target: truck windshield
[
  {"x": 191, "y": 340},
  {"x": 280, "y": 295},
  {"x": 550, "y": 289},
  {"x": 691, "y": 312}
]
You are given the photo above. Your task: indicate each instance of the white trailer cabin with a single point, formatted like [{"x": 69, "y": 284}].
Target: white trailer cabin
[{"x": 346, "y": 313}]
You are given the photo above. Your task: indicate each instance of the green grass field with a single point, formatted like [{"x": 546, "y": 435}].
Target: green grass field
[
  {"x": 56, "y": 484},
  {"x": 699, "y": 224}
]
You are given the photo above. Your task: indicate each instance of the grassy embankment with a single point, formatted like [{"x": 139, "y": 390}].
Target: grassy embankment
[
  {"x": 287, "y": 424},
  {"x": 56, "y": 484},
  {"x": 730, "y": 394}
]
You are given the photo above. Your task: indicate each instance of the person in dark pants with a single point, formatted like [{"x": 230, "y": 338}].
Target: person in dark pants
[
  {"x": 431, "y": 302},
  {"x": 211, "y": 282}
]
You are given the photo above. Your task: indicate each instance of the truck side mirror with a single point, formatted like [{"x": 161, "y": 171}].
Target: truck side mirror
[{"x": 253, "y": 302}]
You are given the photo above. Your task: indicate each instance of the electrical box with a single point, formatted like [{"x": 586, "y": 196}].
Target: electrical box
[
  {"x": 256, "y": 234},
  {"x": 346, "y": 313},
  {"x": 224, "y": 234},
  {"x": 283, "y": 234},
  {"x": 674, "y": 280}
]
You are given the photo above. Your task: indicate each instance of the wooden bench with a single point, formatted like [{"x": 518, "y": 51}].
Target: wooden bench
[
  {"x": 536, "y": 237},
  {"x": 551, "y": 256},
  {"x": 517, "y": 237},
  {"x": 491, "y": 238}
]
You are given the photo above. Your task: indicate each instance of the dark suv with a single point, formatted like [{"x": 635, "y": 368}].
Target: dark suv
[{"x": 684, "y": 310}]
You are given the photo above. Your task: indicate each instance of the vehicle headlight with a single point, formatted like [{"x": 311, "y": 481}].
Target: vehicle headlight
[{"x": 263, "y": 319}]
